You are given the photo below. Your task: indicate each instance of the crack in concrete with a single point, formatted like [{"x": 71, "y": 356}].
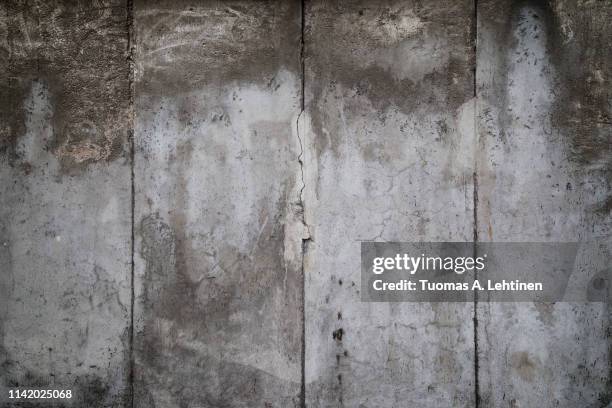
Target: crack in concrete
[
  {"x": 303, "y": 186},
  {"x": 305, "y": 239},
  {"x": 299, "y": 117}
]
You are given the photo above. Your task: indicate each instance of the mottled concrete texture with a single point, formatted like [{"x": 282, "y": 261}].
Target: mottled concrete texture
[
  {"x": 185, "y": 185},
  {"x": 390, "y": 142},
  {"x": 544, "y": 166},
  {"x": 218, "y": 211},
  {"x": 65, "y": 204}
]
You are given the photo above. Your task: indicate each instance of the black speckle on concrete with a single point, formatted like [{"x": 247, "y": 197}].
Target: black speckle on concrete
[{"x": 338, "y": 334}]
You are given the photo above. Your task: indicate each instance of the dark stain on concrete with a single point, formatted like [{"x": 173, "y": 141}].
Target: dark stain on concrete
[
  {"x": 217, "y": 43},
  {"x": 525, "y": 366},
  {"x": 335, "y": 66},
  {"x": 599, "y": 288},
  {"x": 81, "y": 53},
  {"x": 337, "y": 334},
  {"x": 201, "y": 380},
  {"x": 582, "y": 109},
  {"x": 88, "y": 390},
  {"x": 239, "y": 284},
  {"x": 577, "y": 43}
]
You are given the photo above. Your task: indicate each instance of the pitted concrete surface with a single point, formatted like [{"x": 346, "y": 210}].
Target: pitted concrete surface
[
  {"x": 544, "y": 164},
  {"x": 218, "y": 210},
  {"x": 390, "y": 154},
  {"x": 186, "y": 186},
  {"x": 65, "y": 242}
]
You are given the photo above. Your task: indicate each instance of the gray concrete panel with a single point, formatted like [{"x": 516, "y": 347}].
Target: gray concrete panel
[
  {"x": 218, "y": 210},
  {"x": 389, "y": 130},
  {"x": 65, "y": 223},
  {"x": 544, "y": 164}
]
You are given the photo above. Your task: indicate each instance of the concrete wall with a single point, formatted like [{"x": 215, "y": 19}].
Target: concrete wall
[
  {"x": 544, "y": 164},
  {"x": 389, "y": 126},
  {"x": 218, "y": 224},
  {"x": 186, "y": 185},
  {"x": 65, "y": 205}
]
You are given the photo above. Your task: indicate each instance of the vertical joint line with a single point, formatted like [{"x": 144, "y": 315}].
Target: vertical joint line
[
  {"x": 475, "y": 202},
  {"x": 301, "y": 198},
  {"x": 475, "y": 254},
  {"x": 475, "y": 44},
  {"x": 302, "y": 52},
  {"x": 130, "y": 61}
]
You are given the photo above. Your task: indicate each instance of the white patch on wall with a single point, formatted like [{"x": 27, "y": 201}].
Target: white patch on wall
[{"x": 38, "y": 111}]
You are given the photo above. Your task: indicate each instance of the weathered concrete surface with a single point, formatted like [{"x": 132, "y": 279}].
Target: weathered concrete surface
[
  {"x": 544, "y": 166},
  {"x": 65, "y": 201},
  {"x": 236, "y": 186},
  {"x": 218, "y": 212},
  {"x": 389, "y": 135}
]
